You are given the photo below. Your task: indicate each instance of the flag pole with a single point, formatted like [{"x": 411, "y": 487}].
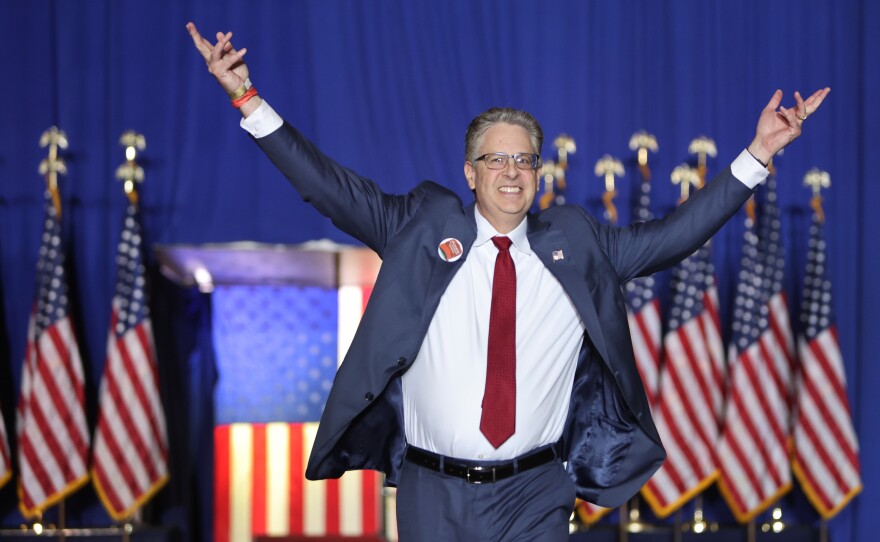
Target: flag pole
[
  {"x": 129, "y": 172},
  {"x": 686, "y": 177},
  {"x": 37, "y": 525},
  {"x": 61, "y": 522},
  {"x": 751, "y": 530},
  {"x": 127, "y": 528},
  {"x": 678, "y": 526},
  {"x": 548, "y": 173},
  {"x": 565, "y": 145},
  {"x": 609, "y": 167},
  {"x": 52, "y": 165},
  {"x": 624, "y": 523},
  {"x": 817, "y": 179},
  {"x": 643, "y": 142},
  {"x": 702, "y": 147}
]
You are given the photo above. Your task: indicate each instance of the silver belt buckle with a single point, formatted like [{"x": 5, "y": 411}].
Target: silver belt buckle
[{"x": 479, "y": 469}]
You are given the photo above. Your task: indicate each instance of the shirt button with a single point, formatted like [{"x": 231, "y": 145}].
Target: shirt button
[
  {"x": 401, "y": 362},
  {"x": 369, "y": 396}
]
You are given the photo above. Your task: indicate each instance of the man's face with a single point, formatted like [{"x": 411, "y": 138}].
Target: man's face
[{"x": 505, "y": 195}]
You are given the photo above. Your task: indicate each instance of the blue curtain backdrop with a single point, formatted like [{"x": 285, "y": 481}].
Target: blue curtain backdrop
[{"x": 387, "y": 88}]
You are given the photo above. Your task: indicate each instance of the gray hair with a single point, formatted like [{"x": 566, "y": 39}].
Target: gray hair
[{"x": 477, "y": 128}]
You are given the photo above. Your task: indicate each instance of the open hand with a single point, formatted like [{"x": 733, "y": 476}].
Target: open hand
[
  {"x": 224, "y": 62},
  {"x": 778, "y": 126}
]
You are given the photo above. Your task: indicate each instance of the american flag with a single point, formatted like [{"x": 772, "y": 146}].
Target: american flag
[
  {"x": 590, "y": 513},
  {"x": 826, "y": 449},
  {"x": 691, "y": 388},
  {"x": 771, "y": 257},
  {"x": 269, "y": 394},
  {"x": 643, "y": 312},
  {"x": 753, "y": 452},
  {"x": 5, "y": 457},
  {"x": 260, "y": 487},
  {"x": 130, "y": 456},
  {"x": 53, "y": 438}
]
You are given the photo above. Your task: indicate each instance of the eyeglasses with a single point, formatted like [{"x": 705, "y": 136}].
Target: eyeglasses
[{"x": 498, "y": 160}]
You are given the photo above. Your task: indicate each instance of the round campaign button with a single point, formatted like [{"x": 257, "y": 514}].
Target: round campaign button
[{"x": 450, "y": 249}]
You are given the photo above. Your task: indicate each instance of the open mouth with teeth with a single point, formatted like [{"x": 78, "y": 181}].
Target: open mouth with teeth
[{"x": 510, "y": 189}]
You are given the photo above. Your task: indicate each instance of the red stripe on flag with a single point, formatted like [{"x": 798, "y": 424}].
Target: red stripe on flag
[
  {"x": 714, "y": 347},
  {"x": 297, "y": 477},
  {"x": 366, "y": 292},
  {"x": 333, "y": 504},
  {"x": 370, "y": 500},
  {"x": 221, "y": 483},
  {"x": 712, "y": 391},
  {"x": 258, "y": 480}
]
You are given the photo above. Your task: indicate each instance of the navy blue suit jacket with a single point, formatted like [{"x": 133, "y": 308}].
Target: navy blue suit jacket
[{"x": 609, "y": 440}]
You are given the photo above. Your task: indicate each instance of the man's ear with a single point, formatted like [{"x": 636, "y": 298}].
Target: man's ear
[{"x": 470, "y": 174}]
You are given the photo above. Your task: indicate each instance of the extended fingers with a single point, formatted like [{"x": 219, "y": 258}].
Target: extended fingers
[
  {"x": 222, "y": 41},
  {"x": 807, "y": 107},
  {"x": 202, "y": 45},
  {"x": 775, "y": 100},
  {"x": 815, "y": 100},
  {"x": 223, "y": 55},
  {"x": 800, "y": 106}
]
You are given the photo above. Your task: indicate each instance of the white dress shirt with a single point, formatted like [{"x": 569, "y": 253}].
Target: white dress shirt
[{"x": 443, "y": 390}]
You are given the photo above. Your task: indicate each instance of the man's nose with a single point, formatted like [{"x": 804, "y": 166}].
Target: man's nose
[{"x": 510, "y": 170}]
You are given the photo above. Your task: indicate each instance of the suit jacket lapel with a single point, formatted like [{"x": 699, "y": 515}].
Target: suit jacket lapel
[
  {"x": 462, "y": 227},
  {"x": 554, "y": 250}
]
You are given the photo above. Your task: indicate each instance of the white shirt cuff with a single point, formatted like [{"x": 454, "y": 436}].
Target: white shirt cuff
[
  {"x": 748, "y": 170},
  {"x": 263, "y": 121}
]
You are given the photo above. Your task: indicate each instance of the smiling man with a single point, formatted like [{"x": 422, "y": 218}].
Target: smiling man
[
  {"x": 502, "y": 149},
  {"x": 492, "y": 376}
]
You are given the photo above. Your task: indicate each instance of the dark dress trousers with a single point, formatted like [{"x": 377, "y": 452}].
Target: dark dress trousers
[{"x": 609, "y": 440}]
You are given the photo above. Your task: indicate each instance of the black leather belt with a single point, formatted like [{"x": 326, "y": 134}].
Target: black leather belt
[{"x": 477, "y": 473}]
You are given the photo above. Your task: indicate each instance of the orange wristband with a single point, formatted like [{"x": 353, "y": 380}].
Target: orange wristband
[{"x": 251, "y": 92}]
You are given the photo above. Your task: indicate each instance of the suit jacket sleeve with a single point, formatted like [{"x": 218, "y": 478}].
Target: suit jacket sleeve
[
  {"x": 647, "y": 247},
  {"x": 355, "y": 204}
]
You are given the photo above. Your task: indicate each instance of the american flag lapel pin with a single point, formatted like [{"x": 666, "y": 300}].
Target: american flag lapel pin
[{"x": 558, "y": 255}]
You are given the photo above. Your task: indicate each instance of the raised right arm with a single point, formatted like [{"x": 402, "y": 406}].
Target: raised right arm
[{"x": 354, "y": 203}]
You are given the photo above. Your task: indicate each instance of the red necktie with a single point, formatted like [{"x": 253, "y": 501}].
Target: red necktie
[{"x": 499, "y": 400}]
